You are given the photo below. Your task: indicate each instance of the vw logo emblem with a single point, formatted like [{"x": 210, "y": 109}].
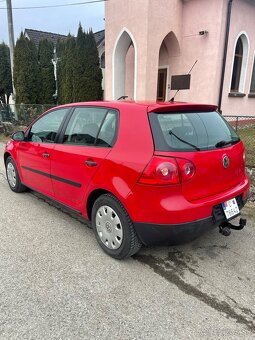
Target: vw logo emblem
[{"x": 225, "y": 161}]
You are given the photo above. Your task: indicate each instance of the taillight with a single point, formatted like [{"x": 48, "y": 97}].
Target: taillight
[
  {"x": 187, "y": 169},
  {"x": 160, "y": 171},
  {"x": 166, "y": 170}
]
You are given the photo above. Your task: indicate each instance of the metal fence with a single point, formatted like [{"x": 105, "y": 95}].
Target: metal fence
[{"x": 245, "y": 128}]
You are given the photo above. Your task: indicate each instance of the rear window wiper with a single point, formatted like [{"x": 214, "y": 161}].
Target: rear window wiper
[
  {"x": 184, "y": 141},
  {"x": 222, "y": 143}
]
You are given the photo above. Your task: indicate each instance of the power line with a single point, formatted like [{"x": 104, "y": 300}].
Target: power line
[{"x": 54, "y": 6}]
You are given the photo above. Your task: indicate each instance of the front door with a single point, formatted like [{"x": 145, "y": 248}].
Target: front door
[
  {"x": 35, "y": 153},
  {"x": 162, "y": 77}
]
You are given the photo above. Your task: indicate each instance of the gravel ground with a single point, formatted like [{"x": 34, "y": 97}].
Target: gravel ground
[{"x": 56, "y": 283}]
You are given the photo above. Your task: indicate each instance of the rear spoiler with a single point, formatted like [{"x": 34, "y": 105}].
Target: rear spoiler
[{"x": 181, "y": 107}]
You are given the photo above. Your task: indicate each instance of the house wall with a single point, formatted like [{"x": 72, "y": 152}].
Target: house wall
[
  {"x": 201, "y": 15},
  {"x": 151, "y": 22},
  {"x": 148, "y": 24},
  {"x": 133, "y": 16},
  {"x": 242, "y": 20}
]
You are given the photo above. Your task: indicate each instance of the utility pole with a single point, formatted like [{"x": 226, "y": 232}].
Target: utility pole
[{"x": 11, "y": 38}]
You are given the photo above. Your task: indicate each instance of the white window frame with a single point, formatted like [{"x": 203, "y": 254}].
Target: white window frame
[
  {"x": 252, "y": 71},
  {"x": 246, "y": 49}
]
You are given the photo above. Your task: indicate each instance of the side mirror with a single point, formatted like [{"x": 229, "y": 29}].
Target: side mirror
[{"x": 18, "y": 136}]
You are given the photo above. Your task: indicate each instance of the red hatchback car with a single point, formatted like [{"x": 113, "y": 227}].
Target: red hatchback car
[{"x": 142, "y": 173}]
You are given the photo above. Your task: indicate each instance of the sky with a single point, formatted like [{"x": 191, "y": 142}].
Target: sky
[{"x": 61, "y": 20}]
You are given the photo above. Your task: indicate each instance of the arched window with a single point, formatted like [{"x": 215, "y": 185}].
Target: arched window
[
  {"x": 240, "y": 63},
  {"x": 124, "y": 66},
  {"x": 252, "y": 88},
  {"x": 102, "y": 60},
  {"x": 237, "y": 66},
  {"x": 168, "y": 62}
]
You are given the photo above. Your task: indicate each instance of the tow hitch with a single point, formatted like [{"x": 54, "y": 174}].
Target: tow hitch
[{"x": 225, "y": 227}]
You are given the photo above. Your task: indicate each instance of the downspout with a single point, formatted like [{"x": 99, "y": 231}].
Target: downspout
[{"x": 225, "y": 54}]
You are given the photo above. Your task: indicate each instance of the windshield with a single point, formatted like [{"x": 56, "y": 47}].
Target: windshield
[{"x": 187, "y": 131}]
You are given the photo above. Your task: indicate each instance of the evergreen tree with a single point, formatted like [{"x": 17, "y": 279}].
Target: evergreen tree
[
  {"x": 5, "y": 73},
  {"x": 66, "y": 52},
  {"x": 80, "y": 64},
  {"x": 87, "y": 73},
  {"x": 27, "y": 77},
  {"x": 93, "y": 72},
  {"x": 80, "y": 75},
  {"x": 48, "y": 86}
]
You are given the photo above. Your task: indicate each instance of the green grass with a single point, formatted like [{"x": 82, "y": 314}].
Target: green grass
[{"x": 248, "y": 138}]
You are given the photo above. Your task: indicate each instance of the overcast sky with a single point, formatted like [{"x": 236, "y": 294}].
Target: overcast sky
[{"x": 60, "y": 20}]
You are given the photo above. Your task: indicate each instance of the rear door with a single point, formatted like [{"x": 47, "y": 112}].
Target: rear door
[
  {"x": 86, "y": 140},
  {"x": 35, "y": 153}
]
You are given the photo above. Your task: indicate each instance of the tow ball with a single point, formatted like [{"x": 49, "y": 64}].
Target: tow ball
[{"x": 225, "y": 227}]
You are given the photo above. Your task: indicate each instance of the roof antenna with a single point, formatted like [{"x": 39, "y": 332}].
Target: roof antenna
[
  {"x": 122, "y": 97},
  {"x": 172, "y": 99}
]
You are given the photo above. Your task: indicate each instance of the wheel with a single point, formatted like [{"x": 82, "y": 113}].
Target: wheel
[
  {"x": 113, "y": 228},
  {"x": 13, "y": 176}
]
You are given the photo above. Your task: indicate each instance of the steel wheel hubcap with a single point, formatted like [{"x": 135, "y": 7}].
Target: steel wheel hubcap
[
  {"x": 109, "y": 227},
  {"x": 11, "y": 175}
]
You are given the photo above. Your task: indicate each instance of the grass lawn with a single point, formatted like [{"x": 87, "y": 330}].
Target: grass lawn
[{"x": 248, "y": 137}]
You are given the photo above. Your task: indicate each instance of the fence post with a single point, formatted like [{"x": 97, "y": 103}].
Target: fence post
[{"x": 236, "y": 123}]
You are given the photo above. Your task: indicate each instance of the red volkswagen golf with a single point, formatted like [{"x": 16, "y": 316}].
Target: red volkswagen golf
[{"x": 142, "y": 173}]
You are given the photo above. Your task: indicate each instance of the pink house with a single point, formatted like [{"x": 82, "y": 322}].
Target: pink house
[{"x": 149, "y": 41}]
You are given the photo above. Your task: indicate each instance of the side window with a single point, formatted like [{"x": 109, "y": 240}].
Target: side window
[
  {"x": 84, "y": 125},
  {"x": 252, "y": 88},
  {"x": 240, "y": 64},
  {"x": 45, "y": 129},
  {"x": 102, "y": 60},
  {"x": 107, "y": 132}
]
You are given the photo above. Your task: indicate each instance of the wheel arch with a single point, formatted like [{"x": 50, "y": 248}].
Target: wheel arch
[
  {"x": 6, "y": 155},
  {"x": 93, "y": 196}
]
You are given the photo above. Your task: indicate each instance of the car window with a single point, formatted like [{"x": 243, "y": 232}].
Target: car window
[
  {"x": 190, "y": 131},
  {"x": 45, "y": 129},
  {"x": 85, "y": 123},
  {"x": 107, "y": 132}
]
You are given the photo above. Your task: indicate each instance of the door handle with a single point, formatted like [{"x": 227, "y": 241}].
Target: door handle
[
  {"x": 46, "y": 155},
  {"x": 90, "y": 163}
]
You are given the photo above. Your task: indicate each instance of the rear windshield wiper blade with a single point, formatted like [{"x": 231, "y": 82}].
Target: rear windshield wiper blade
[
  {"x": 224, "y": 142},
  {"x": 184, "y": 141}
]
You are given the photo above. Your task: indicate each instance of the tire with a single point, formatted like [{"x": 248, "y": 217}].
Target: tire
[
  {"x": 13, "y": 176},
  {"x": 113, "y": 228}
]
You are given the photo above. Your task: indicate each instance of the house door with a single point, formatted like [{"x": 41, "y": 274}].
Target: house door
[{"x": 161, "y": 92}]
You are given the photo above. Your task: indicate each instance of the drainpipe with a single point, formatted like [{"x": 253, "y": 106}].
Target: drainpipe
[{"x": 225, "y": 54}]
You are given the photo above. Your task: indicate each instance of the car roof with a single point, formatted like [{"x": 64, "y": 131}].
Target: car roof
[{"x": 150, "y": 106}]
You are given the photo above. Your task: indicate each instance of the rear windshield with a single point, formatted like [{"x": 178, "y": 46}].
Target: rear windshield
[{"x": 191, "y": 131}]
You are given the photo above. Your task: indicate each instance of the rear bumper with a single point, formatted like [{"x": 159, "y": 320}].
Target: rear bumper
[
  {"x": 172, "y": 234},
  {"x": 162, "y": 205}
]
